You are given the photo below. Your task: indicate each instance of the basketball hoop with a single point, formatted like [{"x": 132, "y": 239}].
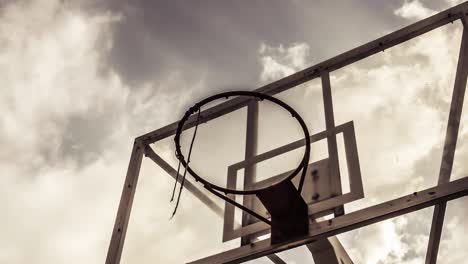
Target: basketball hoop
[{"x": 260, "y": 96}]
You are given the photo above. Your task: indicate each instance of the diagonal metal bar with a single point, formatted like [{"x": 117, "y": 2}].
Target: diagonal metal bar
[
  {"x": 340, "y": 251},
  {"x": 275, "y": 259},
  {"x": 149, "y": 152},
  {"x": 329, "y": 251},
  {"x": 451, "y": 136}
]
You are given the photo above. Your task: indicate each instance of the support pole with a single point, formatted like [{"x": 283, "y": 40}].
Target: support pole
[
  {"x": 126, "y": 200},
  {"x": 451, "y": 136},
  {"x": 251, "y": 140},
  {"x": 335, "y": 179}
]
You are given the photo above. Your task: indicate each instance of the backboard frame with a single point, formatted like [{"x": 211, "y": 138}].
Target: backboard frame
[{"x": 437, "y": 196}]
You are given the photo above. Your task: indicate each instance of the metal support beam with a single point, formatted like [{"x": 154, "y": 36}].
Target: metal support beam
[
  {"x": 335, "y": 178},
  {"x": 451, "y": 136},
  {"x": 251, "y": 139},
  {"x": 123, "y": 214},
  {"x": 348, "y": 222}
]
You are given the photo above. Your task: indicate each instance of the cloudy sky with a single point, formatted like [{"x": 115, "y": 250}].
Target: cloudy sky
[{"x": 81, "y": 79}]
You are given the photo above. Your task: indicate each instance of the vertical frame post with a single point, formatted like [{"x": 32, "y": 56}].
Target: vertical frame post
[
  {"x": 251, "y": 140},
  {"x": 453, "y": 124},
  {"x": 125, "y": 206},
  {"x": 335, "y": 179}
]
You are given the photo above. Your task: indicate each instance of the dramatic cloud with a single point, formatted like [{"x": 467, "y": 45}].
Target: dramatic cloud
[
  {"x": 81, "y": 79},
  {"x": 66, "y": 130},
  {"x": 52, "y": 157}
]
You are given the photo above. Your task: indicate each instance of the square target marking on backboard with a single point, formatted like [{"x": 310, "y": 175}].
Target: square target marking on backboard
[{"x": 317, "y": 192}]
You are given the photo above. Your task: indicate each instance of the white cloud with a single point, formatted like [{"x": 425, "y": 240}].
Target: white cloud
[
  {"x": 66, "y": 131},
  {"x": 414, "y": 10},
  {"x": 278, "y": 62},
  {"x": 50, "y": 71},
  {"x": 50, "y": 64}
]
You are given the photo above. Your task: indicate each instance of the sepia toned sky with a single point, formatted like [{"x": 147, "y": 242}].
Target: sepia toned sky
[{"x": 81, "y": 79}]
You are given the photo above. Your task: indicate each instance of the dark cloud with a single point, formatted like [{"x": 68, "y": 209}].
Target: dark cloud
[
  {"x": 219, "y": 40},
  {"x": 82, "y": 141}
]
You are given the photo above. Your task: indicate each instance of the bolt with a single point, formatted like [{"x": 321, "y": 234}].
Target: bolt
[
  {"x": 315, "y": 196},
  {"x": 314, "y": 174},
  {"x": 339, "y": 210}
]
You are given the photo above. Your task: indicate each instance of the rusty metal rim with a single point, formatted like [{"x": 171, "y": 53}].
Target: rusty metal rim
[{"x": 196, "y": 107}]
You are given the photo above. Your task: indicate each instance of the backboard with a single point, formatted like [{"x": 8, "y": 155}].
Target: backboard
[
  {"x": 319, "y": 192},
  {"x": 323, "y": 187}
]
